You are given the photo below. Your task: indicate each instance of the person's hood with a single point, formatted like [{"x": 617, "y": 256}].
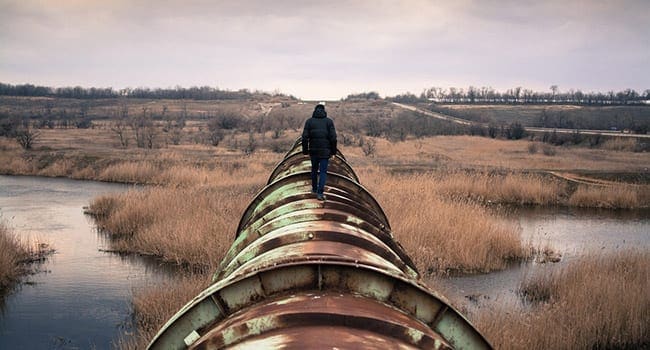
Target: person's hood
[{"x": 319, "y": 112}]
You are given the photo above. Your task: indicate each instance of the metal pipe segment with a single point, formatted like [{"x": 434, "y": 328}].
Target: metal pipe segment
[{"x": 304, "y": 273}]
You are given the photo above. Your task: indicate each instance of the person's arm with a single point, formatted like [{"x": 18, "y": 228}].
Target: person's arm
[
  {"x": 305, "y": 138},
  {"x": 331, "y": 133}
]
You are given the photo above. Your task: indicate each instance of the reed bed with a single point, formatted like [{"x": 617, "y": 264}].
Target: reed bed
[
  {"x": 598, "y": 302},
  {"x": 192, "y": 226},
  {"x": 536, "y": 189},
  {"x": 153, "y": 305},
  {"x": 130, "y": 172},
  {"x": 626, "y": 144},
  {"x": 511, "y": 188},
  {"x": 191, "y": 220},
  {"x": 16, "y": 255},
  {"x": 12, "y": 252},
  {"x": 196, "y": 224},
  {"x": 445, "y": 236},
  {"x": 59, "y": 168},
  {"x": 11, "y": 165},
  {"x": 610, "y": 197}
]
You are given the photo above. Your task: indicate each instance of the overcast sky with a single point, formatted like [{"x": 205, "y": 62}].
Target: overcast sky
[{"x": 327, "y": 49}]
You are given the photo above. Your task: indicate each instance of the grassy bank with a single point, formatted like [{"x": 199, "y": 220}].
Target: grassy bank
[
  {"x": 195, "y": 223},
  {"x": 611, "y": 197},
  {"x": 444, "y": 235},
  {"x": 540, "y": 189},
  {"x": 508, "y": 188},
  {"x": 192, "y": 220},
  {"x": 153, "y": 305},
  {"x": 598, "y": 302},
  {"x": 440, "y": 217},
  {"x": 16, "y": 256}
]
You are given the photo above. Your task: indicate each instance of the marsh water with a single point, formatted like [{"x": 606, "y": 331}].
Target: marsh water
[
  {"x": 81, "y": 297},
  {"x": 574, "y": 233}
]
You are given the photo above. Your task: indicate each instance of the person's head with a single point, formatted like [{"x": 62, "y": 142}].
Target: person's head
[{"x": 319, "y": 111}]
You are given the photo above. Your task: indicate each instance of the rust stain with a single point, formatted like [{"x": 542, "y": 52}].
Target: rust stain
[{"x": 306, "y": 321}]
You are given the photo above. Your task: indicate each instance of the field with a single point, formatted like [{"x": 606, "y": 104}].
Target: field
[{"x": 193, "y": 172}]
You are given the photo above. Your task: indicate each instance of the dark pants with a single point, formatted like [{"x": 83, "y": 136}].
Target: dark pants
[{"x": 318, "y": 174}]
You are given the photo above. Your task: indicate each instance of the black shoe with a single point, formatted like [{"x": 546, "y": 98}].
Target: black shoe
[{"x": 320, "y": 197}]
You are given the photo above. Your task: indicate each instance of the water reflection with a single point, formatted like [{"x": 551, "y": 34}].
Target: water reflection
[{"x": 83, "y": 300}]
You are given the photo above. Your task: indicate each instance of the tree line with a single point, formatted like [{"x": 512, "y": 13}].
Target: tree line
[
  {"x": 177, "y": 93},
  {"x": 517, "y": 95}
]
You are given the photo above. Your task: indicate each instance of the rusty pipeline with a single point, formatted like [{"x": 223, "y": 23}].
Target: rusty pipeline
[{"x": 304, "y": 273}]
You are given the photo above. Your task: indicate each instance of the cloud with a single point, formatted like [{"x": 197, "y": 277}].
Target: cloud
[{"x": 325, "y": 49}]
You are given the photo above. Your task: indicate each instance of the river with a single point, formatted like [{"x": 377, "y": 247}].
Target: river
[{"x": 81, "y": 297}]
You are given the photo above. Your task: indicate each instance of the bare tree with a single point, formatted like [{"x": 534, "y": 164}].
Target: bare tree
[
  {"x": 173, "y": 126},
  {"x": 554, "y": 90},
  {"x": 369, "y": 147},
  {"x": 251, "y": 146},
  {"x": 120, "y": 126},
  {"x": 144, "y": 129},
  {"x": 517, "y": 94},
  {"x": 26, "y": 137}
]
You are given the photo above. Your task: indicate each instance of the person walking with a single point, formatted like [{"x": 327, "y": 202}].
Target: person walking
[{"x": 319, "y": 142}]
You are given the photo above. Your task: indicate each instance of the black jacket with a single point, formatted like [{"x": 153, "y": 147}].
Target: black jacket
[{"x": 319, "y": 135}]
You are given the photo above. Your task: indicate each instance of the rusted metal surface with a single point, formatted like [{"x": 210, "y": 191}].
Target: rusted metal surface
[
  {"x": 303, "y": 273},
  {"x": 307, "y": 320}
]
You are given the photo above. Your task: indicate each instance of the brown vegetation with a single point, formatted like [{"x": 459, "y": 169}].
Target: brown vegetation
[
  {"x": 611, "y": 197},
  {"x": 15, "y": 257},
  {"x": 444, "y": 235},
  {"x": 511, "y": 188},
  {"x": 205, "y": 215},
  {"x": 11, "y": 254},
  {"x": 597, "y": 302},
  {"x": 190, "y": 221},
  {"x": 620, "y": 144},
  {"x": 153, "y": 305}
]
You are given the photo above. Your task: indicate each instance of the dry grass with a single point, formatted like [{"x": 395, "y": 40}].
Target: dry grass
[
  {"x": 12, "y": 164},
  {"x": 627, "y": 144},
  {"x": 15, "y": 256},
  {"x": 599, "y": 302},
  {"x": 611, "y": 197},
  {"x": 12, "y": 252},
  {"x": 183, "y": 225},
  {"x": 443, "y": 235},
  {"x": 154, "y": 305},
  {"x": 90, "y": 154},
  {"x": 192, "y": 220},
  {"x": 59, "y": 168},
  {"x": 510, "y": 188},
  {"x": 129, "y": 172},
  {"x": 478, "y": 152}
]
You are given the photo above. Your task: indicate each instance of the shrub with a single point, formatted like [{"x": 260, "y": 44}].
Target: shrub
[{"x": 548, "y": 150}]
